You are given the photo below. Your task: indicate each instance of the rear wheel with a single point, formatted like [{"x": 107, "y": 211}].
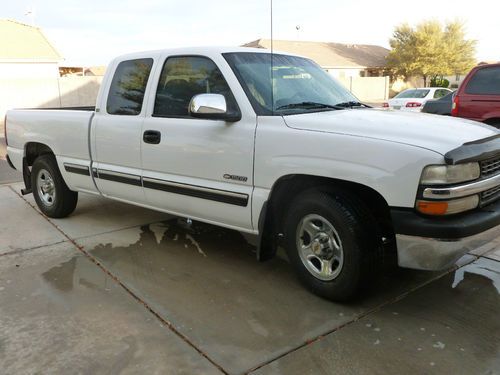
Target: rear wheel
[
  {"x": 51, "y": 193},
  {"x": 331, "y": 241}
]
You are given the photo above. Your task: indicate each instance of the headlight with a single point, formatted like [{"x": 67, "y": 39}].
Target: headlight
[
  {"x": 450, "y": 174},
  {"x": 447, "y": 207}
]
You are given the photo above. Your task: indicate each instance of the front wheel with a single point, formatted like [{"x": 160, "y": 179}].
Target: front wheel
[
  {"x": 331, "y": 241},
  {"x": 51, "y": 193}
]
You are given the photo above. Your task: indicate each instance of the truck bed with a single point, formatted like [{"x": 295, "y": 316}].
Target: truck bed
[
  {"x": 81, "y": 108},
  {"x": 64, "y": 130}
]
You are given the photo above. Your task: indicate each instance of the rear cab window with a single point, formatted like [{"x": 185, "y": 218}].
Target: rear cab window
[
  {"x": 126, "y": 93},
  {"x": 486, "y": 81},
  {"x": 412, "y": 93}
]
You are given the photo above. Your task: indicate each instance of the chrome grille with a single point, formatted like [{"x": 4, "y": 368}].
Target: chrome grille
[
  {"x": 490, "y": 167},
  {"x": 490, "y": 195}
]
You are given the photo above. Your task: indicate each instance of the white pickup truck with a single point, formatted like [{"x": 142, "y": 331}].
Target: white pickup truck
[{"x": 269, "y": 144}]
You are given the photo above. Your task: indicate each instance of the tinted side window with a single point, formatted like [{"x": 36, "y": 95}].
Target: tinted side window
[
  {"x": 184, "y": 77},
  {"x": 440, "y": 93},
  {"x": 486, "y": 81},
  {"x": 126, "y": 93}
]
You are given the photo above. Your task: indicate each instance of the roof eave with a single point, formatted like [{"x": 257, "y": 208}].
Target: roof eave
[{"x": 23, "y": 61}]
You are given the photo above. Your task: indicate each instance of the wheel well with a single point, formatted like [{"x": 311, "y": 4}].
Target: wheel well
[
  {"x": 34, "y": 149},
  {"x": 271, "y": 225}
]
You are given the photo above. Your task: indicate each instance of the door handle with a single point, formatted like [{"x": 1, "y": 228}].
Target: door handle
[{"x": 151, "y": 136}]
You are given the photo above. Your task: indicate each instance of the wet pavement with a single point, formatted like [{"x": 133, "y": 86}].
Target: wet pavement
[
  {"x": 451, "y": 326},
  {"x": 119, "y": 288},
  {"x": 59, "y": 313}
]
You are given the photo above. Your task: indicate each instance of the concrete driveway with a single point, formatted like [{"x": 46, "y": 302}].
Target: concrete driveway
[{"x": 120, "y": 289}]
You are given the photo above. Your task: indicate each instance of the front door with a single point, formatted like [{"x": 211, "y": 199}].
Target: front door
[
  {"x": 117, "y": 133},
  {"x": 200, "y": 168}
]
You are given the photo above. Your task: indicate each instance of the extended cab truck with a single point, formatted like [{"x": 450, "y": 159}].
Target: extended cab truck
[
  {"x": 273, "y": 146},
  {"x": 478, "y": 97}
]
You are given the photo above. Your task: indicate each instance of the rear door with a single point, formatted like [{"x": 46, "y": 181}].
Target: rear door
[
  {"x": 116, "y": 131},
  {"x": 480, "y": 100},
  {"x": 199, "y": 168}
]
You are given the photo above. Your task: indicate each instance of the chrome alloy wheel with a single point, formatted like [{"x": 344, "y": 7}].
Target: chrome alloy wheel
[
  {"x": 319, "y": 247},
  {"x": 45, "y": 187}
]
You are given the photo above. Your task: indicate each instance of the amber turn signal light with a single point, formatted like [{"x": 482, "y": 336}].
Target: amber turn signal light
[
  {"x": 449, "y": 207},
  {"x": 432, "y": 208}
]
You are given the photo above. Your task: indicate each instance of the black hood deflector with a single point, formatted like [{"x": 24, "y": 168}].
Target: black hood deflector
[{"x": 482, "y": 149}]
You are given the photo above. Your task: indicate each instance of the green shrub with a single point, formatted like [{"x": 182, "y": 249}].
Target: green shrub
[{"x": 439, "y": 82}]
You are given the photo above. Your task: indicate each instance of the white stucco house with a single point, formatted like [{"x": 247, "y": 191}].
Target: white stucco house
[
  {"x": 340, "y": 60},
  {"x": 25, "y": 52}
]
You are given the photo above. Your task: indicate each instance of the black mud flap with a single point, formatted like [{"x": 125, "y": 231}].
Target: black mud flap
[
  {"x": 267, "y": 245},
  {"x": 482, "y": 149},
  {"x": 9, "y": 162}
]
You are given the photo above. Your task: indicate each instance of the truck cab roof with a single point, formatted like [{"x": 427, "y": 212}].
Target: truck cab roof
[{"x": 200, "y": 50}]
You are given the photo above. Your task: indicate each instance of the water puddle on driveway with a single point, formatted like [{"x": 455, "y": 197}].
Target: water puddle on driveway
[
  {"x": 75, "y": 273},
  {"x": 206, "y": 281},
  {"x": 483, "y": 267},
  {"x": 61, "y": 314}
]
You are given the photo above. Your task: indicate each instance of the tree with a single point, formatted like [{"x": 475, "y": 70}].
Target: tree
[
  {"x": 429, "y": 50},
  {"x": 460, "y": 51}
]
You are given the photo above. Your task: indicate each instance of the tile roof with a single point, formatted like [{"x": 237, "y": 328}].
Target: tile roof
[
  {"x": 21, "y": 42},
  {"x": 330, "y": 55}
]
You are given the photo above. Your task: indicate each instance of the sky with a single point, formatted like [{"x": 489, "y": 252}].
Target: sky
[{"x": 92, "y": 32}]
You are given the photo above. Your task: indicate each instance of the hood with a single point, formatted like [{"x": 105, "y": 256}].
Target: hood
[{"x": 436, "y": 133}]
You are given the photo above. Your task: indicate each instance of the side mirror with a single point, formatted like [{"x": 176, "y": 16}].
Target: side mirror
[{"x": 211, "y": 106}]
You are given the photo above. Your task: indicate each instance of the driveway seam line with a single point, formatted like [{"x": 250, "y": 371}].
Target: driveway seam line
[
  {"x": 20, "y": 251},
  {"x": 489, "y": 258},
  {"x": 93, "y": 234},
  {"x": 117, "y": 230},
  {"x": 94, "y": 260},
  {"x": 359, "y": 317}
]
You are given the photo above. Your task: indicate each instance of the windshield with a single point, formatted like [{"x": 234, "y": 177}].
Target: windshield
[
  {"x": 299, "y": 84},
  {"x": 412, "y": 93}
]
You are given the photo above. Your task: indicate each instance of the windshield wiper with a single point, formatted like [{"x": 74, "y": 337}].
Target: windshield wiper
[
  {"x": 309, "y": 105},
  {"x": 351, "y": 104}
]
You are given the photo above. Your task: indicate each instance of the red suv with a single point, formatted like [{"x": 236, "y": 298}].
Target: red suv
[{"x": 478, "y": 97}]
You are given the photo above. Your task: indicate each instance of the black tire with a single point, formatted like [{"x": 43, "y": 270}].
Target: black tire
[
  {"x": 63, "y": 201},
  {"x": 353, "y": 225}
]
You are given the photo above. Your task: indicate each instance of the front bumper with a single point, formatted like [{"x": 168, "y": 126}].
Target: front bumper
[
  {"x": 433, "y": 254},
  {"x": 428, "y": 243}
]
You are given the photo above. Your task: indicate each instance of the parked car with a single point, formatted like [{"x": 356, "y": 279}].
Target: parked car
[
  {"x": 441, "y": 106},
  {"x": 478, "y": 97},
  {"x": 285, "y": 153},
  {"x": 413, "y": 99}
]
